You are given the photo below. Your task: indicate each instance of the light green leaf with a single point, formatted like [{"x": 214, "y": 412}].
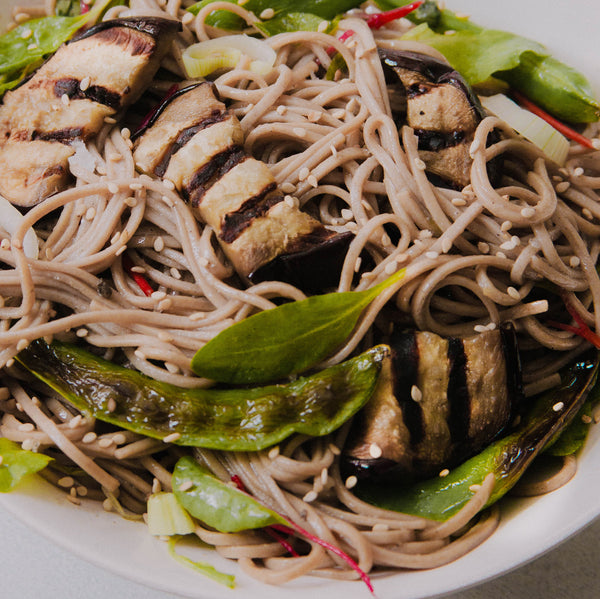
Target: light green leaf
[{"x": 18, "y": 463}]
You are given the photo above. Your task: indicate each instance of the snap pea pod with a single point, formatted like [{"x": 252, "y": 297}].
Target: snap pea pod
[
  {"x": 508, "y": 458},
  {"x": 18, "y": 463},
  {"x": 230, "y": 419}
]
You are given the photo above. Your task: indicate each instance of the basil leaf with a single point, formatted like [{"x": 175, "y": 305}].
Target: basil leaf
[
  {"x": 29, "y": 43},
  {"x": 477, "y": 54},
  {"x": 285, "y": 340},
  {"x": 325, "y": 9},
  {"x": 217, "y": 504},
  {"x": 18, "y": 463}
]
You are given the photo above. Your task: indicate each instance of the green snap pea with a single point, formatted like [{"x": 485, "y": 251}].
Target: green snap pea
[{"x": 230, "y": 419}]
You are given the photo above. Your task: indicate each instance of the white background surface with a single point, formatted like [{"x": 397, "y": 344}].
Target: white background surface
[{"x": 31, "y": 567}]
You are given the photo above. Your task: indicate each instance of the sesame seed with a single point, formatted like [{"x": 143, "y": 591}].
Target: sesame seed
[
  {"x": 33, "y": 47},
  {"x": 491, "y": 326},
  {"x": 351, "y": 482},
  {"x": 73, "y": 498},
  {"x": 268, "y": 13},
  {"x": 474, "y": 147},
  {"x": 125, "y": 133},
  {"x": 425, "y": 234},
  {"x": 175, "y": 273},
  {"x": 135, "y": 186},
  {"x": 558, "y": 406},
  {"x": 446, "y": 245},
  {"x": 288, "y": 187},
  {"x": 338, "y": 113},
  {"x": 314, "y": 116},
  {"x": 119, "y": 439},
  {"x": 375, "y": 451},
  {"x": 111, "y": 404},
  {"x": 416, "y": 393},
  {"x": 322, "y": 26},
  {"x": 156, "y": 486},
  {"x": 75, "y": 421},
  {"x": 281, "y": 109},
  {"x": 1, "y": 460},
  {"x": 5, "y": 244},
  {"x": 10, "y": 363},
  {"x": 66, "y": 482},
  {"x": 82, "y": 333},
  {"x": 107, "y": 505},
  {"x": 596, "y": 144},
  {"x": 159, "y": 244},
  {"x": 506, "y": 226},
  {"x": 172, "y": 438},
  {"x": 90, "y": 213},
  {"x": 432, "y": 255},
  {"x": 274, "y": 452},
  {"x": 312, "y": 181},
  {"x": 164, "y": 305},
  {"x": 169, "y": 184},
  {"x": 113, "y": 188},
  {"x": 480, "y": 328},
  {"x": 500, "y": 255},
  {"x": 513, "y": 293},
  {"x": 84, "y": 84},
  {"x": 335, "y": 450},
  {"x": 197, "y": 316},
  {"x": 347, "y": 214},
  {"x": 121, "y": 250},
  {"x": 562, "y": 187},
  {"x": 586, "y": 419},
  {"x": 158, "y": 295},
  {"x": 528, "y": 212},
  {"x": 109, "y": 120},
  {"x": 310, "y": 496},
  {"x": 357, "y": 264},
  {"x": 27, "y": 445},
  {"x": 459, "y": 202},
  {"x": 81, "y": 491},
  {"x": 587, "y": 213},
  {"x": 390, "y": 268},
  {"x": 26, "y": 34},
  {"x": 106, "y": 442},
  {"x": 89, "y": 437},
  {"x": 22, "y": 344},
  {"x": 474, "y": 488},
  {"x": 186, "y": 485},
  {"x": 187, "y": 18},
  {"x": 443, "y": 473},
  {"x": 65, "y": 99},
  {"x": 299, "y": 131},
  {"x": 578, "y": 172},
  {"x": 303, "y": 173},
  {"x": 26, "y": 427},
  {"x": 419, "y": 164},
  {"x": 324, "y": 476}
]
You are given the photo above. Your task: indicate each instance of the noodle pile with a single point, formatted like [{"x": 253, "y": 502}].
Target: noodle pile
[{"x": 474, "y": 259}]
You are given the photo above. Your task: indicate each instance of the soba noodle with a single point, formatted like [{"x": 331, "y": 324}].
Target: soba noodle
[{"x": 335, "y": 150}]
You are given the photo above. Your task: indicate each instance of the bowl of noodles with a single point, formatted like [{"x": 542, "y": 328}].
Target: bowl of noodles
[{"x": 129, "y": 264}]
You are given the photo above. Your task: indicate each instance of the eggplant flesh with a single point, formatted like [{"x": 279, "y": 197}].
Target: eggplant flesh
[
  {"x": 197, "y": 143},
  {"x": 95, "y": 76},
  {"x": 435, "y": 101},
  {"x": 438, "y": 402}
]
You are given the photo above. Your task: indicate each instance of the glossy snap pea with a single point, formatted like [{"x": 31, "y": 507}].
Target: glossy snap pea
[
  {"x": 231, "y": 419},
  {"x": 441, "y": 497}
]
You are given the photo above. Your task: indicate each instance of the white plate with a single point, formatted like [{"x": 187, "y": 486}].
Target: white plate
[{"x": 528, "y": 527}]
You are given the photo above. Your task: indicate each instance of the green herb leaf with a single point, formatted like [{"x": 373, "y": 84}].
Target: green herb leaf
[
  {"x": 228, "y": 419},
  {"x": 203, "y": 568},
  {"x": 217, "y": 504},
  {"x": 293, "y": 21},
  {"x": 67, "y": 8},
  {"x": 286, "y": 340},
  {"x": 18, "y": 463},
  {"x": 507, "y": 458},
  {"x": 324, "y": 9},
  {"x": 28, "y": 44}
]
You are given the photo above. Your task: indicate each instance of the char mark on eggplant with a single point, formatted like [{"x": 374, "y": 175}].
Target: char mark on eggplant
[
  {"x": 436, "y": 102},
  {"x": 96, "y": 75},
  {"x": 438, "y": 402},
  {"x": 194, "y": 141}
]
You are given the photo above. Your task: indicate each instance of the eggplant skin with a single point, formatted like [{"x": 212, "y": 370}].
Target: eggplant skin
[
  {"x": 438, "y": 402},
  {"x": 437, "y": 103},
  {"x": 94, "y": 76}
]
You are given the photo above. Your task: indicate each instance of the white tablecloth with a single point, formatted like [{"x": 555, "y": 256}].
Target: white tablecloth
[{"x": 31, "y": 567}]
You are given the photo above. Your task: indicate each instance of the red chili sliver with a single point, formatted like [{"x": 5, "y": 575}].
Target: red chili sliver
[
  {"x": 84, "y": 7},
  {"x": 567, "y": 131},
  {"x": 582, "y": 329},
  {"x": 383, "y": 18},
  {"x": 141, "y": 281}
]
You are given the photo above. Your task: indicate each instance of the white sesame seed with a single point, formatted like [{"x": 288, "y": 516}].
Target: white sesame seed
[
  {"x": 119, "y": 439},
  {"x": 268, "y": 13},
  {"x": 121, "y": 250},
  {"x": 587, "y": 213},
  {"x": 557, "y": 407},
  {"x": 84, "y": 83},
  {"x": 89, "y": 437},
  {"x": 10, "y": 363},
  {"x": 351, "y": 482},
  {"x": 474, "y": 488},
  {"x": 28, "y": 445},
  {"x": 574, "y": 261},
  {"x": 26, "y": 34},
  {"x": 324, "y": 476},
  {"x": 26, "y": 427},
  {"x": 32, "y": 47},
  {"x": 187, "y": 18},
  {"x": 310, "y": 496},
  {"x": 507, "y": 225},
  {"x": 375, "y": 451},
  {"x": 391, "y": 268},
  {"x": 5, "y": 244},
  {"x": 273, "y": 452},
  {"x": 109, "y": 120},
  {"x": 164, "y": 304},
  {"x": 480, "y": 328},
  {"x": 125, "y": 133},
  {"x": 508, "y": 245},
  {"x": 75, "y": 421},
  {"x": 66, "y": 482},
  {"x": 288, "y": 187},
  {"x": 416, "y": 393},
  {"x": 338, "y": 113},
  {"x": 169, "y": 184},
  {"x": 446, "y": 245},
  {"x": 347, "y": 214},
  {"x": 113, "y": 188},
  {"x": 419, "y": 164},
  {"x": 105, "y": 442},
  {"x": 585, "y": 418},
  {"x": 186, "y": 485},
  {"x": 578, "y": 172},
  {"x": 156, "y": 486},
  {"x": 107, "y": 505},
  {"x": 158, "y": 295},
  {"x": 500, "y": 255},
  {"x": 81, "y": 491},
  {"x": 474, "y": 147},
  {"x": 491, "y": 326},
  {"x": 562, "y": 187},
  {"x": 596, "y": 144},
  {"x": 425, "y": 234},
  {"x": 281, "y": 109},
  {"x": 312, "y": 181},
  {"x": 528, "y": 212},
  {"x": 432, "y": 255},
  {"x": 172, "y": 438},
  {"x": 335, "y": 450},
  {"x": 159, "y": 244},
  {"x": 303, "y": 173},
  {"x": 299, "y": 131},
  {"x": 459, "y": 202},
  {"x": 111, "y": 404},
  {"x": 22, "y": 344},
  {"x": 322, "y": 26},
  {"x": 513, "y": 293},
  {"x": 443, "y": 473},
  {"x": 65, "y": 99},
  {"x": 197, "y": 316},
  {"x": 135, "y": 186}
]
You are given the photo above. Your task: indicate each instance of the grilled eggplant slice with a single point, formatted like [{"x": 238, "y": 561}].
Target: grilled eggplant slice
[
  {"x": 437, "y": 103},
  {"x": 194, "y": 141},
  {"x": 92, "y": 77},
  {"x": 438, "y": 402}
]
